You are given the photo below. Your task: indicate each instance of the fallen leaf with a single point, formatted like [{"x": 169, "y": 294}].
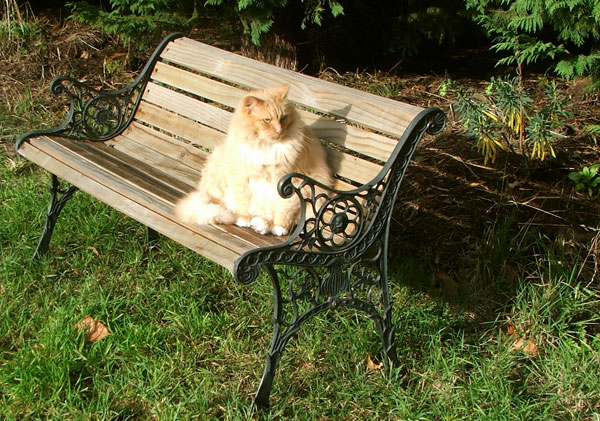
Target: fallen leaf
[
  {"x": 510, "y": 330},
  {"x": 94, "y": 250},
  {"x": 373, "y": 365},
  {"x": 531, "y": 348},
  {"x": 85, "y": 54},
  {"x": 94, "y": 329},
  {"x": 518, "y": 344},
  {"x": 117, "y": 56}
]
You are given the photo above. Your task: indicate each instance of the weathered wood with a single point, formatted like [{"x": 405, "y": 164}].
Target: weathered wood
[
  {"x": 177, "y": 106},
  {"x": 178, "y": 126}
]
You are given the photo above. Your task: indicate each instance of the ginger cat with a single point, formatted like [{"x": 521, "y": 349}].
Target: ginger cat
[{"x": 266, "y": 140}]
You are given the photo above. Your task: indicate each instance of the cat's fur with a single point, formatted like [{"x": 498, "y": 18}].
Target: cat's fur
[{"x": 266, "y": 140}]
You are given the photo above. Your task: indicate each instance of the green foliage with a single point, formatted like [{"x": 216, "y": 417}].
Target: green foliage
[
  {"x": 565, "y": 32},
  {"x": 130, "y": 18},
  {"x": 505, "y": 117},
  {"x": 588, "y": 179},
  {"x": 258, "y": 16}
]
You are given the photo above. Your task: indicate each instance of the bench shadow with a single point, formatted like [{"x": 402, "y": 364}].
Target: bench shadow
[{"x": 326, "y": 129}]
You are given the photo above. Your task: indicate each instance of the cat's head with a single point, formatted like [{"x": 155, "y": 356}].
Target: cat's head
[{"x": 268, "y": 113}]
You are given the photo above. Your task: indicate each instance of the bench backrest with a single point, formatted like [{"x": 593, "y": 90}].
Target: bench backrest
[{"x": 194, "y": 88}]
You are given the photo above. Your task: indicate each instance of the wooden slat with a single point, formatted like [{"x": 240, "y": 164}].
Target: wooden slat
[
  {"x": 190, "y": 158},
  {"x": 197, "y": 85},
  {"x": 156, "y": 159},
  {"x": 137, "y": 173},
  {"x": 179, "y": 126},
  {"x": 202, "y": 244},
  {"x": 353, "y": 138},
  {"x": 377, "y": 113},
  {"x": 184, "y": 153},
  {"x": 154, "y": 181},
  {"x": 351, "y": 167},
  {"x": 189, "y": 107}
]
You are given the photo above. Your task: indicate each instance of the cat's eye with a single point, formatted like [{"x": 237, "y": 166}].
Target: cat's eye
[
  {"x": 267, "y": 121},
  {"x": 283, "y": 118}
]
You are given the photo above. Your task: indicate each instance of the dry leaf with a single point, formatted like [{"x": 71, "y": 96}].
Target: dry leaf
[
  {"x": 510, "y": 330},
  {"x": 518, "y": 343},
  {"x": 94, "y": 250},
  {"x": 531, "y": 348},
  {"x": 94, "y": 329},
  {"x": 374, "y": 366}
]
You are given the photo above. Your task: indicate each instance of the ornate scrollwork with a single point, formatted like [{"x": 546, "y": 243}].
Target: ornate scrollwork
[{"x": 95, "y": 115}]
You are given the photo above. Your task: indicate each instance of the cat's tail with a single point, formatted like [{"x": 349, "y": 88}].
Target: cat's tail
[{"x": 197, "y": 208}]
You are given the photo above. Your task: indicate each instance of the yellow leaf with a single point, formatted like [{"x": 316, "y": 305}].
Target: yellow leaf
[{"x": 491, "y": 115}]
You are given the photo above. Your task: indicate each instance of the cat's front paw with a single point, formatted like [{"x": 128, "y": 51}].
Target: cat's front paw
[
  {"x": 242, "y": 222},
  {"x": 260, "y": 225},
  {"x": 279, "y": 231}
]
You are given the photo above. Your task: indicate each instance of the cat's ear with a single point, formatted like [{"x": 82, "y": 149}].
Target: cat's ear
[
  {"x": 249, "y": 103},
  {"x": 283, "y": 91}
]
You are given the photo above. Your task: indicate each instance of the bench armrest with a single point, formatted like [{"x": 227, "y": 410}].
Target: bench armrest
[
  {"x": 96, "y": 115},
  {"x": 339, "y": 226}
]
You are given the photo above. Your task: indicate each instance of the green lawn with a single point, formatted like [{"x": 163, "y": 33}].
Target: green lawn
[{"x": 187, "y": 342}]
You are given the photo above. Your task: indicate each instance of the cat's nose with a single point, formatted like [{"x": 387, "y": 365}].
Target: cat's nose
[{"x": 277, "y": 127}]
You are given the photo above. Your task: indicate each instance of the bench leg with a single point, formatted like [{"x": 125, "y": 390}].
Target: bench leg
[
  {"x": 151, "y": 237},
  {"x": 261, "y": 398},
  {"x": 58, "y": 198},
  {"x": 388, "y": 339}
]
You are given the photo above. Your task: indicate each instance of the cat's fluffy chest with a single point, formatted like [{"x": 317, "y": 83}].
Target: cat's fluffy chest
[{"x": 270, "y": 154}]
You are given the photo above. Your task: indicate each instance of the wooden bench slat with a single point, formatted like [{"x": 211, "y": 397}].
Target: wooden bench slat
[
  {"x": 154, "y": 198},
  {"x": 161, "y": 184},
  {"x": 156, "y": 159},
  {"x": 138, "y": 173},
  {"x": 186, "y": 106},
  {"x": 111, "y": 192},
  {"x": 179, "y": 126},
  {"x": 184, "y": 153},
  {"x": 353, "y": 138},
  {"x": 368, "y": 110},
  {"x": 197, "y": 84}
]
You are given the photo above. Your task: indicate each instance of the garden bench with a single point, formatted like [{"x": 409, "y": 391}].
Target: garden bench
[{"x": 140, "y": 149}]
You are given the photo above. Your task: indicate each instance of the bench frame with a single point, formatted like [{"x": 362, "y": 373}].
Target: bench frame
[{"x": 310, "y": 271}]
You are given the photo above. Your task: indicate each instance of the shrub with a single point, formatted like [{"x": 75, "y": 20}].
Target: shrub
[
  {"x": 130, "y": 18},
  {"x": 565, "y": 32},
  {"x": 588, "y": 179},
  {"x": 505, "y": 117}
]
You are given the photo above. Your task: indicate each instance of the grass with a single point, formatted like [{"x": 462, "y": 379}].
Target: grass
[{"x": 187, "y": 342}]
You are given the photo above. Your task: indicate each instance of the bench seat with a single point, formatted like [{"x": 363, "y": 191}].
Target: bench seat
[{"x": 144, "y": 183}]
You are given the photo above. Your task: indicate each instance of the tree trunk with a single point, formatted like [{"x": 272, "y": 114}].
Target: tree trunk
[{"x": 274, "y": 48}]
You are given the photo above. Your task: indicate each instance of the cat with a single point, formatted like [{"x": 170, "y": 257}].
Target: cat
[{"x": 266, "y": 140}]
